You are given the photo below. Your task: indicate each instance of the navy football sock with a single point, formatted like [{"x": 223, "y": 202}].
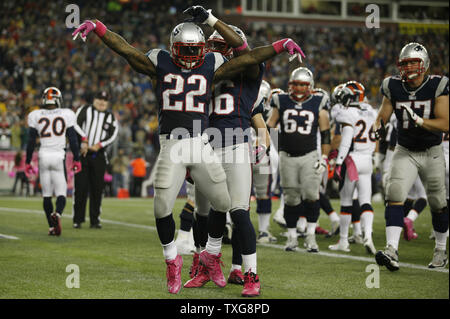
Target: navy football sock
[
  {"x": 166, "y": 229},
  {"x": 246, "y": 233},
  {"x": 216, "y": 223},
  {"x": 264, "y": 206},
  {"x": 200, "y": 230},
  {"x": 291, "y": 214},
  {"x": 60, "y": 204},
  {"x": 394, "y": 215},
  {"x": 186, "y": 217},
  {"x": 312, "y": 210},
  {"x": 325, "y": 204},
  {"x": 236, "y": 258},
  {"x": 440, "y": 220},
  {"x": 420, "y": 205},
  {"x": 48, "y": 209},
  {"x": 356, "y": 211}
]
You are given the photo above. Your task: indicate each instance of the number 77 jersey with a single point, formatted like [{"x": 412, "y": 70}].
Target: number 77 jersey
[{"x": 422, "y": 101}]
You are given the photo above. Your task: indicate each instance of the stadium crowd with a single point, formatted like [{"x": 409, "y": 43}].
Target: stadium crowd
[{"x": 37, "y": 51}]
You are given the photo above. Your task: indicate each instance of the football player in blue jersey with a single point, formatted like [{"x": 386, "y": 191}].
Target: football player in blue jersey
[
  {"x": 182, "y": 78},
  {"x": 420, "y": 104},
  {"x": 301, "y": 114},
  {"x": 234, "y": 105}
]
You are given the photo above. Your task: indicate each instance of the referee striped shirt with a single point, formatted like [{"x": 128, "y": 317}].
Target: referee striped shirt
[{"x": 98, "y": 127}]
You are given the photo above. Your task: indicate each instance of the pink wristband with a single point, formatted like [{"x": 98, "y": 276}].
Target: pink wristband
[
  {"x": 100, "y": 29},
  {"x": 242, "y": 47},
  {"x": 278, "y": 45}
]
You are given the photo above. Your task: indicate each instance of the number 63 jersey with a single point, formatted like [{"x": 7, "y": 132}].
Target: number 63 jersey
[
  {"x": 299, "y": 122},
  {"x": 51, "y": 126},
  {"x": 422, "y": 101}
]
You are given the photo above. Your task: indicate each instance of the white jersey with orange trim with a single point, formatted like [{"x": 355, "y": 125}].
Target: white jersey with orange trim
[
  {"x": 51, "y": 126},
  {"x": 361, "y": 117}
]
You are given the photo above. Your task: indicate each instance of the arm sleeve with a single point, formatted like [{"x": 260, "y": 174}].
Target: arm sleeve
[
  {"x": 73, "y": 142},
  {"x": 346, "y": 143},
  {"x": 33, "y": 134}
]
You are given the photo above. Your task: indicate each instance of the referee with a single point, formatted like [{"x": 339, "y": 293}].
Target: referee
[{"x": 100, "y": 129}]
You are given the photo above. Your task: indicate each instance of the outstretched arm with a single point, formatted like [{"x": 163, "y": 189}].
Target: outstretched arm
[
  {"x": 237, "y": 65},
  {"x": 137, "y": 59},
  {"x": 231, "y": 37}
]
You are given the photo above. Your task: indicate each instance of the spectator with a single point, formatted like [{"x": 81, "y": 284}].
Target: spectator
[
  {"x": 119, "y": 165},
  {"x": 139, "y": 171},
  {"x": 19, "y": 168}
]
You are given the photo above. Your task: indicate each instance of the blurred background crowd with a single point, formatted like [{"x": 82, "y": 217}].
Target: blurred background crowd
[{"x": 37, "y": 51}]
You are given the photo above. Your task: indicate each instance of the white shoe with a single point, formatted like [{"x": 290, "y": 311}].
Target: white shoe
[
  {"x": 440, "y": 259},
  {"x": 356, "y": 239},
  {"x": 368, "y": 243},
  {"x": 291, "y": 243},
  {"x": 265, "y": 238},
  {"x": 311, "y": 244},
  {"x": 342, "y": 245},
  {"x": 279, "y": 218}
]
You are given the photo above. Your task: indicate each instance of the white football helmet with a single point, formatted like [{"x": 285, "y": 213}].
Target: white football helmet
[
  {"x": 216, "y": 43},
  {"x": 413, "y": 52},
  {"x": 52, "y": 96},
  {"x": 187, "y": 45},
  {"x": 301, "y": 84}
]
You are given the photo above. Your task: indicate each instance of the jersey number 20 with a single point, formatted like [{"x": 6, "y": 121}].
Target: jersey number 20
[{"x": 56, "y": 129}]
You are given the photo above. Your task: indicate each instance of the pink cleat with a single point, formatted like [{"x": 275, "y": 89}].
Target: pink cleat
[
  {"x": 173, "y": 274},
  {"x": 321, "y": 231},
  {"x": 212, "y": 265},
  {"x": 200, "y": 279},
  {"x": 252, "y": 286},
  {"x": 408, "y": 229},
  {"x": 236, "y": 277}
]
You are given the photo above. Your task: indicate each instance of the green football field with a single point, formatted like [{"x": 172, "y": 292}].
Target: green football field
[{"x": 125, "y": 260}]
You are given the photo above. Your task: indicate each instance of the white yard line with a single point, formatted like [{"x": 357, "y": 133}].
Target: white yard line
[
  {"x": 8, "y": 236},
  {"x": 152, "y": 228}
]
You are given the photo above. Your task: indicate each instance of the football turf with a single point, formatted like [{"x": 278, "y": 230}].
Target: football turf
[{"x": 124, "y": 259}]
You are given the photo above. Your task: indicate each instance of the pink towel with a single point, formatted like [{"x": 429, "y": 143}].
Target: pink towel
[{"x": 352, "y": 172}]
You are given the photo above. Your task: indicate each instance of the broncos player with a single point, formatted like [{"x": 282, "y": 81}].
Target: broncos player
[
  {"x": 420, "y": 103},
  {"x": 183, "y": 78},
  {"x": 52, "y": 124},
  {"x": 234, "y": 103},
  {"x": 301, "y": 114},
  {"x": 354, "y": 161}
]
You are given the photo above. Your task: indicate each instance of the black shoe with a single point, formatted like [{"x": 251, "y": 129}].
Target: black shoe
[
  {"x": 76, "y": 225},
  {"x": 98, "y": 226}
]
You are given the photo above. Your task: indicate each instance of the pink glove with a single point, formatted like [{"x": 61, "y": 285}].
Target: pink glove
[
  {"x": 29, "y": 169},
  {"x": 12, "y": 174},
  {"x": 290, "y": 46},
  {"x": 87, "y": 26},
  {"x": 76, "y": 167}
]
